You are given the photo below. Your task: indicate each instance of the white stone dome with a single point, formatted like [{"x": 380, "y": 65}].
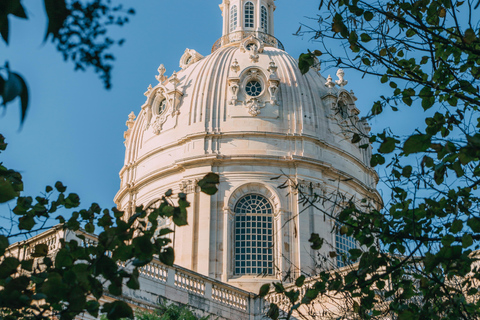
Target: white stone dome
[{"x": 247, "y": 113}]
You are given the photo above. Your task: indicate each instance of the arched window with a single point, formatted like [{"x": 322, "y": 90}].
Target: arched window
[
  {"x": 264, "y": 19},
  {"x": 233, "y": 18},
  {"x": 249, "y": 15},
  {"x": 253, "y": 236},
  {"x": 343, "y": 244}
]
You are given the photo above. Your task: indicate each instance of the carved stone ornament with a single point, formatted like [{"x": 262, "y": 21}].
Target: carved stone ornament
[
  {"x": 189, "y": 57},
  {"x": 130, "y": 122},
  {"x": 330, "y": 84},
  {"x": 158, "y": 123},
  {"x": 174, "y": 96},
  {"x": 254, "y": 106},
  {"x": 235, "y": 66},
  {"x": 341, "y": 81},
  {"x": 249, "y": 42},
  {"x": 161, "y": 77},
  {"x": 234, "y": 86},
  {"x": 274, "y": 82},
  {"x": 149, "y": 90}
]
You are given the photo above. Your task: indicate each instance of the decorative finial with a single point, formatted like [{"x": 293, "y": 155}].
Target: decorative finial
[
  {"x": 130, "y": 122},
  {"x": 149, "y": 89},
  {"x": 235, "y": 66},
  {"x": 161, "y": 74},
  {"x": 341, "y": 81},
  {"x": 174, "y": 79},
  {"x": 330, "y": 84}
]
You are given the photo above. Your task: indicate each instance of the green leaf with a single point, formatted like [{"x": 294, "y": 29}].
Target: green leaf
[
  {"x": 316, "y": 241},
  {"x": 356, "y": 138},
  {"x": 117, "y": 310},
  {"x": 264, "y": 290},
  {"x": 388, "y": 145},
  {"x": 474, "y": 224},
  {"x": 26, "y": 223},
  {"x": 7, "y": 191},
  {"x": 41, "y": 250},
  {"x": 273, "y": 311},
  {"x": 208, "y": 183},
  {"x": 167, "y": 256},
  {"x": 8, "y": 266},
  {"x": 60, "y": 187},
  {"x": 457, "y": 226},
  {"x": 180, "y": 216},
  {"x": 63, "y": 259},
  {"x": 368, "y": 15},
  {"x": 300, "y": 281},
  {"x": 467, "y": 240},
  {"x": 3, "y": 244},
  {"x": 469, "y": 36},
  {"x": 417, "y": 143},
  {"x": 365, "y": 37},
  {"x": 377, "y": 159},
  {"x": 57, "y": 13}
]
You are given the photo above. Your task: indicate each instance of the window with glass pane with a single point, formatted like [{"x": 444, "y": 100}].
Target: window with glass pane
[
  {"x": 253, "y": 236},
  {"x": 249, "y": 15},
  {"x": 233, "y": 18},
  {"x": 343, "y": 244},
  {"x": 264, "y": 20}
]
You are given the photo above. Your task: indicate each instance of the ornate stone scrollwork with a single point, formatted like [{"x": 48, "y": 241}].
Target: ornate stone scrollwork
[
  {"x": 254, "y": 106},
  {"x": 189, "y": 57},
  {"x": 235, "y": 66},
  {"x": 252, "y": 41}
]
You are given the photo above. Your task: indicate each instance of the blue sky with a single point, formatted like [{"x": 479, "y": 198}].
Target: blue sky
[{"x": 74, "y": 128}]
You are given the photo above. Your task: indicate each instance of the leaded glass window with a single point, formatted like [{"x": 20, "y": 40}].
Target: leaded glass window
[
  {"x": 343, "y": 244},
  {"x": 253, "y": 88},
  {"x": 253, "y": 236},
  {"x": 249, "y": 15},
  {"x": 264, "y": 19},
  {"x": 233, "y": 18}
]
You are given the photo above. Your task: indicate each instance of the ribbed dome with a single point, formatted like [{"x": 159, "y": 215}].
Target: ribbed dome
[
  {"x": 306, "y": 114},
  {"x": 246, "y": 113}
]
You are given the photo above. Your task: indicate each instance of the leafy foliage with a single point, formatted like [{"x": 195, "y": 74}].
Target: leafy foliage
[
  {"x": 79, "y": 31},
  {"x": 58, "y": 283},
  {"x": 166, "y": 312},
  {"x": 416, "y": 256}
]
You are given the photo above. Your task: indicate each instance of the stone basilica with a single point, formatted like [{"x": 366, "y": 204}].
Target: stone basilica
[{"x": 247, "y": 113}]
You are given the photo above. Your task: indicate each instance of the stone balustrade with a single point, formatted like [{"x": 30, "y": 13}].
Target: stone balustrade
[{"x": 159, "y": 282}]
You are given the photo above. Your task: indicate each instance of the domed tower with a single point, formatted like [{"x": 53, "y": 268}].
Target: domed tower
[{"x": 246, "y": 113}]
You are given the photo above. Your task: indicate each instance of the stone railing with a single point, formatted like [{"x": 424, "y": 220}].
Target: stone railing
[
  {"x": 238, "y": 36},
  {"x": 160, "y": 282}
]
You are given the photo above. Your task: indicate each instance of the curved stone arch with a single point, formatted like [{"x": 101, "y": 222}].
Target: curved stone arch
[
  {"x": 254, "y": 188},
  {"x": 231, "y": 199},
  {"x": 347, "y": 100},
  {"x": 260, "y": 46}
]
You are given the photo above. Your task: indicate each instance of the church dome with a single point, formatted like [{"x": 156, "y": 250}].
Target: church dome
[{"x": 247, "y": 113}]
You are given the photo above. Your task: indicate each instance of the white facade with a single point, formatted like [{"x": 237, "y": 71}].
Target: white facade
[{"x": 247, "y": 113}]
